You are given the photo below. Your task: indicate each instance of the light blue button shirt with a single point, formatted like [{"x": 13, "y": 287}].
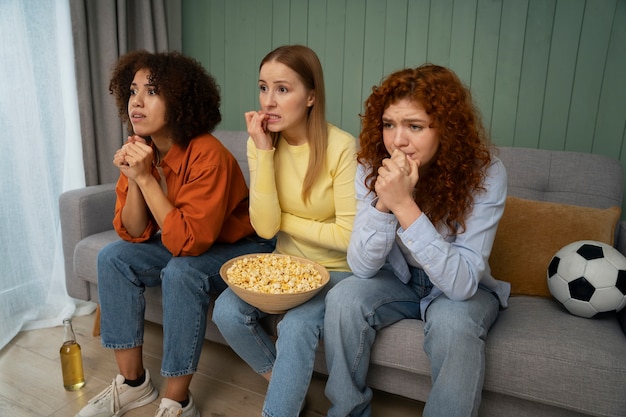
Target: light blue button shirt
[{"x": 455, "y": 264}]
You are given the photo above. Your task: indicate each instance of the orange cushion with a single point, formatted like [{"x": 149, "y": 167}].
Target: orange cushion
[{"x": 531, "y": 232}]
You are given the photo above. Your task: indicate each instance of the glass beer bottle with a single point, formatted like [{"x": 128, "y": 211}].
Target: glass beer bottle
[{"x": 71, "y": 359}]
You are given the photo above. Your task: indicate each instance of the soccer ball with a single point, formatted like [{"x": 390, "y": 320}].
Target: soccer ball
[{"x": 588, "y": 278}]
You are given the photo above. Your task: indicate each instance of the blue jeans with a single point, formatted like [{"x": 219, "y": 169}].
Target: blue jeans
[
  {"x": 455, "y": 333},
  {"x": 125, "y": 269},
  {"x": 290, "y": 358}
]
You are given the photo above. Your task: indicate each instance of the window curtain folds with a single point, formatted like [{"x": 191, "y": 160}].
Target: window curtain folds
[
  {"x": 41, "y": 157},
  {"x": 59, "y": 129}
]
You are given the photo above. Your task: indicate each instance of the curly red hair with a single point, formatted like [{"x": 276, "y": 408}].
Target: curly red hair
[{"x": 445, "y": 189}]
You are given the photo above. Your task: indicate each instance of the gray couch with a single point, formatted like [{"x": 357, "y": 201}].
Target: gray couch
[{"x": 541, "y": 360}]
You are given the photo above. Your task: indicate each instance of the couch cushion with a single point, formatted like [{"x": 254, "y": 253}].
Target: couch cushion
[
  {"x": 536, "y": 350},
  {"x": 86, "y": 254},
  {"x": 236, "y": 142},
  {"x": 531, "y": 232}
]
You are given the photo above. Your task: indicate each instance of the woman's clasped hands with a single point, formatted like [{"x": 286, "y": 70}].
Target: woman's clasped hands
[
  {"x": 134, "y": 158},
  {"x": 396, "y": 181}
]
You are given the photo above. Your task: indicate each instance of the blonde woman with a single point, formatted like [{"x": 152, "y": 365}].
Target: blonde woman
[{"x": 301, "y": 190}]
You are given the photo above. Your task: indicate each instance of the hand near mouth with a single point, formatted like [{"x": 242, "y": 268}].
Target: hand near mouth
[
  {"x": 396, "y": 181},
  {"x": 256, "y": 122},
  {"x": 401, "y": 160}
]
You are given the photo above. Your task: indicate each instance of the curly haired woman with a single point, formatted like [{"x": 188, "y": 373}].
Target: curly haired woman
[
  {"x": 181, "y": 211},
  {"x": 430, "y": 195}
]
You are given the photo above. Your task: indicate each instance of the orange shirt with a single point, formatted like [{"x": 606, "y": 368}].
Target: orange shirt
[{"x": 209, "y": 194}]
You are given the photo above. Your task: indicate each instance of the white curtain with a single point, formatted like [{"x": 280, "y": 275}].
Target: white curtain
[{"x": 41, "y": 157}]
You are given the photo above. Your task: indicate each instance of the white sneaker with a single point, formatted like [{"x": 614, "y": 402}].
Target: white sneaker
[
  {"x": 171, "y": 408},
  {"x": 118, "y": 398}
]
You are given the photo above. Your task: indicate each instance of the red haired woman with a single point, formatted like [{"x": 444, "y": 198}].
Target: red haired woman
[{"x": 430, "y": 195}]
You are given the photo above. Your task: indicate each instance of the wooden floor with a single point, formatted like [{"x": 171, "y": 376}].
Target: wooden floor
[{"x": 224, "y": 386}]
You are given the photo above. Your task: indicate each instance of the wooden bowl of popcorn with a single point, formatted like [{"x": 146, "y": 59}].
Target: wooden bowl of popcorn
[{"x": 274, "y": 283}]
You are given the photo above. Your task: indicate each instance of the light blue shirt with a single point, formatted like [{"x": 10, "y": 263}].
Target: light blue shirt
[{"x": 455, "y": 264}]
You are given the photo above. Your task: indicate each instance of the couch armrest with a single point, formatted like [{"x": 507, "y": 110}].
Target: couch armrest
[
  {"x": 620, "y": 239},
  {"x": 83, "y": 212}
]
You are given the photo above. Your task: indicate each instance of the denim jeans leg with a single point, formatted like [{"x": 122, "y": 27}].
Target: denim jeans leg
[
  {"x": 239, "y": 323},
  {"x": 124, "y": 270},
  {"x": 299, "y": 334},
  {"x": 188, "y": 282},
  {"x": 355, "y": 310},
  {"x": 185, "y": 298},
  {"x": 455, "y": 333}
]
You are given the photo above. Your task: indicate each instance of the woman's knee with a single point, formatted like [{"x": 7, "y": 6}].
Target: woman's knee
[
  {"x": 179, "y": 274},
  {"x": 344, "y": 293},
  {"x": 115, "y": 267},
  {"x": 306, "y": 331},
  {"x": 454, "y": 319},
  {"x": 304, "y": 320},
  {"x": 221, "y": 307},
  {"x": 229, "y": 310},
  {"x": 114, "y": 251},
  {"x": 354, "y": 294},
  {"x": 347, "y": 303}
]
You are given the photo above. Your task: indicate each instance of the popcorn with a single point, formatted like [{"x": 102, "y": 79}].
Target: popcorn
[{"x": 274, "y": 274}]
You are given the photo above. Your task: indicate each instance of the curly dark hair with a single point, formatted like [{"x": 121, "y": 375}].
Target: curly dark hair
[
  {"x": 191, "y": 94},
  {"x": 445, "y": 189}
]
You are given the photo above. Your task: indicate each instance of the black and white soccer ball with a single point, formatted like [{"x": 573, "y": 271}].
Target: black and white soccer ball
[{"x": 588, "y": 278}]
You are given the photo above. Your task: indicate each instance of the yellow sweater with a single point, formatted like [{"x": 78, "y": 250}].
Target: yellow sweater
[{"x": 319, "y": 230}]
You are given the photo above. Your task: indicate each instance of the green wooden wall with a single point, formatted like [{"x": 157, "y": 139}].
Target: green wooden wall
[{"x": 547, "y": 74}]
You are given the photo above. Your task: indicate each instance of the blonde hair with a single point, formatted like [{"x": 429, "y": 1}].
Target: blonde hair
[{"x": 305, "y": 63}]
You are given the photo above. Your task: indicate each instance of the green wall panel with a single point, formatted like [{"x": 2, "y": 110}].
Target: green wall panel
[
  {"x": 508, "y": 72},
  {"x": 281, "y": 14},
  {"x": 352, "y": 77},
  {"x": 440, "y": 34},
  {"x": 592, "y": 55},
  {"x": 534, "y": 68},
  {"x": 613, "y": 94},
  {"x": 561, "y": 68},
  {"x": 416, "y": 46},
  {"x": 374, "y": 48},
  {"x": 547, "y": 74},
  {"x": 394, "y": 35},
  {"x": 485, "y": 56},
  {"x": 462, "y": 40}
]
